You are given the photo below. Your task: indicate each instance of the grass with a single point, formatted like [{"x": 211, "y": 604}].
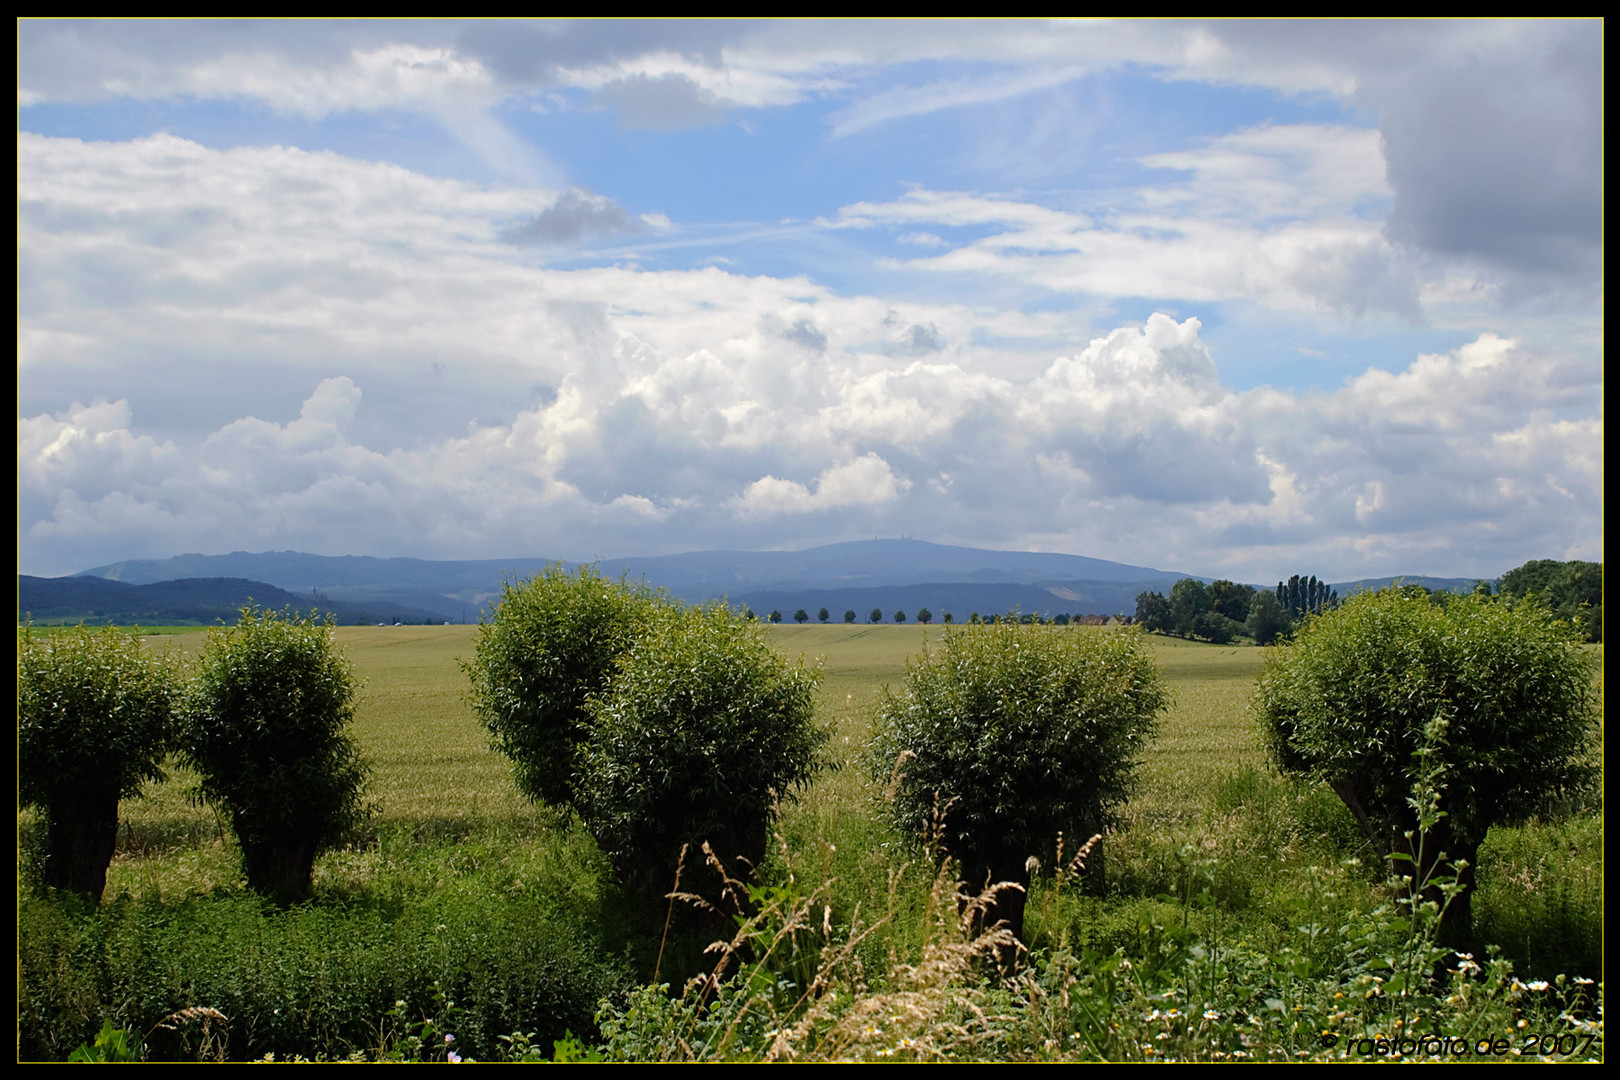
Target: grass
[{"x": 1216, "y": 849}]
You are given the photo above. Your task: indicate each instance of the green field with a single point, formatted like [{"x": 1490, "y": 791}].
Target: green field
[
  {"x": 434, "y": 770},
  {"x": 1214, "y": 842}
]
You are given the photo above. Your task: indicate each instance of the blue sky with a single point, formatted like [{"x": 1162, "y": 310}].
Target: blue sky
[{"x": 1245, "y": 298}]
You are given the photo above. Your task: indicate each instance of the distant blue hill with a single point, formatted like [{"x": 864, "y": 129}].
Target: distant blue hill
[
  {"x": 185, "y": 601},
  {"x": 857, "y": 575},
  {"x": 884, "y": 570}
]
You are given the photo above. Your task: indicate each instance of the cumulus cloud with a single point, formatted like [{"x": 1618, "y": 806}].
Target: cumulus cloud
[
  {"x": 1133, "y": 433},
  {"x": 303, "y": 349},
  {"x": 804, "y": 332},
  {"x": 576, "y": 215},
  {"x": 866, "y": 481},
  {"x": 922, "y": 340},
  {"x": 667, "y": 102}
]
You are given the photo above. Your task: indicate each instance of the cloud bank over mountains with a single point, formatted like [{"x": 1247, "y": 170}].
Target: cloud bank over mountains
[{"x": 529, "y": 289}]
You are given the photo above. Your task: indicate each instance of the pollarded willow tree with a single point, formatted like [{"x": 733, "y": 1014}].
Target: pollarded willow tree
[
  {"x": 94, "y": 723},
  {"x": 1392, "y": 700},
  {"x": 1018, "y": 733},
  {"x": 701, "y": 732},
  {"x": 551, "y": 643},
  {"x": 657, "y": 725},
  {"x": 267, "y": 729}
]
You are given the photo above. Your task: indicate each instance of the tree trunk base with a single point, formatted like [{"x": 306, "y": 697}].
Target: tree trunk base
[{"x": 80, "y": 837}]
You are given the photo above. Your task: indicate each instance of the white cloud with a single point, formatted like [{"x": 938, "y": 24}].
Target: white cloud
[
  {"x": 906, "y": 101},
  {"x": 1270, "y": 215},
  {"x": 224, "y": 309},
  {"x": 1132, "y": 436},
  {"x": 866, "y": 481}
]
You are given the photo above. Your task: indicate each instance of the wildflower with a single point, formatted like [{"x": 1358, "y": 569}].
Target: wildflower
[
  {"x": 453, "y": 1058},
  {"x": 448, "y": 1039},
  {"x": 1582, "y": 980},
  {"x": 1211, "y": 1014},
  {"x": 1538, "y": 985}
]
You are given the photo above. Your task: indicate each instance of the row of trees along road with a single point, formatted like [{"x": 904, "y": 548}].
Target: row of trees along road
[
  {"x": 263, "y": 719},
  {"x": 802, "y": 616}
]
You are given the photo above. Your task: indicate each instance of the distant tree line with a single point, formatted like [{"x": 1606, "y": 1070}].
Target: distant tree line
[
  {"x": 1217, "y": 612},
  {"x": 1570, "y": 590},
  {"x": 1223, "y": 610}
]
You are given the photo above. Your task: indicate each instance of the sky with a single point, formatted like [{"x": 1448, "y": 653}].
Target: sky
[{"x": 1242, "y": 299}]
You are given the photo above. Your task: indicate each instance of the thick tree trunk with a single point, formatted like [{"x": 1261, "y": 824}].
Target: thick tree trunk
[
  {"x": 1005, "y": 907},
  {"x": 1389, "y": 837},
  {"x": 281, "y": 869},
  {"x": 81, "y": 834},
  {"x": 1457, "y": 920}
]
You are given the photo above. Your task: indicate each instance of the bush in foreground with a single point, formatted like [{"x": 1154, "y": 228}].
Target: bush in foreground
[
  {"x": 552, "y": 642},
  {"x": 701, "y": 731},
  {"x": 1014, "y": 734},
  {"x": 94, "y": 722},
  {"x": 267, "y": 729},
  {"x": 1490, "y": 705}
]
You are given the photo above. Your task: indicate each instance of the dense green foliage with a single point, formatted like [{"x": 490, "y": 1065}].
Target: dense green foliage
[
  {"x": 1571, "y": 590},
  {"x": 1196, "y": 611},
  {"x": 702, "y": 729},
  {"x": 1489, "y": 704},
  {"x": 322, "y": 979},
  {"x": 551, "y": 643},
  {"x": 1016, "y": 733},
  {"x": 1267, "y": 620},
  {"x": 94, "y": 722},
  {"x": 1152, "y": 613},
  {"x": 266, "y": 728}
]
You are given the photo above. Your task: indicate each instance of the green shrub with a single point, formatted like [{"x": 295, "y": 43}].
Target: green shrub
[
  {"x": 1014, "y": 734},
  {"x": 94, "y": 722},
  {"x": 702, "y": 730},
  {"x": 1491, "y": 704},
  {"x": 551, "y": 643},
  {"x": 267, "y": 730}
]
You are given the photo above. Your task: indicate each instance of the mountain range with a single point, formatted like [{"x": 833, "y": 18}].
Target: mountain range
[{"x": 854, "y": 576}]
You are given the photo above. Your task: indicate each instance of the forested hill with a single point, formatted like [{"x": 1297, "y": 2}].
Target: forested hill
[{"x": 188, "y": 601}]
